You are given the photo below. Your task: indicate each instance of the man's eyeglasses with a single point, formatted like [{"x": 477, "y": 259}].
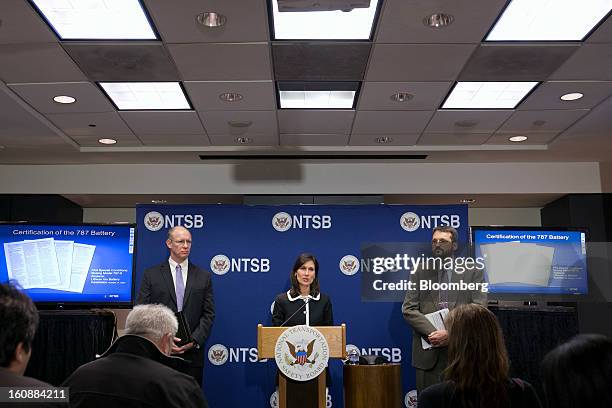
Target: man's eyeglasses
[
  {"x": 183, "y": 242},
  {"x": 440, "y": 242}
]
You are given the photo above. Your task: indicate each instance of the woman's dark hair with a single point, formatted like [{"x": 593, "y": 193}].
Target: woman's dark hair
[
  {"x": 478, "y": 360},
  {"x": 579, "y": 373},
  {"x": 295, "y": 286},
  {"x": 18, "y": 321}
]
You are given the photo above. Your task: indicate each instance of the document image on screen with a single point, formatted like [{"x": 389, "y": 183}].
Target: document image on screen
[
  {"x": 518, "y": 262},
  {"x": 81, "y": 260},
  {"x": 32, "y": 263},
  {"x": 49, "y": 264}
]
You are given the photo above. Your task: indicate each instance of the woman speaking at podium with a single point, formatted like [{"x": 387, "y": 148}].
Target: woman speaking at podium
[{"x": 303, "y": 303}]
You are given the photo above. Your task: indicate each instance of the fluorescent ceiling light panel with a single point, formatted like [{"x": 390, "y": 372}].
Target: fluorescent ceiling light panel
[
  {"x": 549, "y": 20},
  {"x": 146, "y": 95},
  {"x": 324, "y": 25},
  {"x": 487, "y": 95},
  {"x": 97, "y": 19},
  {"x": 317, "y": 99}
]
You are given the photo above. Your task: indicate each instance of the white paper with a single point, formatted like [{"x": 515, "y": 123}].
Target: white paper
[
  {"x": 437, "y": 319},
  {"x": 82, "y": 255},
  {"x": 16, "y": 264},
  {"x": 63, "y": 250},
  {"x": 41, "y": 262},
  {"x": 518, "y": 262}
]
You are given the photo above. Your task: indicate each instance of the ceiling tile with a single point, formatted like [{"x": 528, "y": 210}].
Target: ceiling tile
[
  {"x": 453, "y": 139},
  {"x": 467, "y": 121},
  {"x": 297, "y": 121},
  {"x": 515, "y": 62},
  {"x": 257, "y": 95},
  {"x": 21, "y": 24},
  {"x": 542, "y": 121},
  {"x": 78, "y": 124},
  {"x": 239, "y": 122},
  {"x": 325, "y": 61},
  {"x": 425, "y": 95},
  {"x": 417, "y": 62},
  {"x": 247, "y": 21},
  {"x": 163, "y": 122},
  {"x": 393, "y": 122},
  {"x": 37, "y": 63},
  {"x": 539, "y": 138},
  {"x": 590, "y": 62},
  {"x": 402, "y": 21},
  {"x": 268, "y": 139},
  {"x": 89, "y": 98},
  {"x": 313, "y": 140},
  {"x": 603, "y": 34},
  {"x": 222, "y": 62},
  {"x": 127, "y": 61},
  {"x": 173, "y": 139},
  {"x": 548, "y": 95},
  {"x": 405, "y": 139}
]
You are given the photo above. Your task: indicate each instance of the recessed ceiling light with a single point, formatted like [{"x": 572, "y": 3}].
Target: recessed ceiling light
[
  {"x": 438, "y": 20},
  {"x": 64, "y": 99},
  {"x": 107, "y": 141},
  {"x": 97, "y": 19},
  {"x": 146, "y": 95},
  {"x": 558, "y": 20},
  {"x": 487, "y": 95},
  {"x": 571, "y": 96},
  {"x": 322, "y": 20},
  {"x": 231, "y": 97},
  {"x": 243, "y": 140},
  {"x": 401, "y": 97},
  {"x": 316, "y": 99},
  {"x": 517, "y": 139},
  {"x": 467, "y": 200},
  {"x": 211, "y": 19},
  {"x": 383, "y": 139}
]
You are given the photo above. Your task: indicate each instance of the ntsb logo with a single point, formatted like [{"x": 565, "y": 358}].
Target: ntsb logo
[
  {"x": 221, "y": 264},
  {"x": 410, "y": 221},
  {"x": 218, "y": 354},
  {"x": 154, "y": 221},
  {"x": 349, "y": 265},
  {"x": 283, "y": 221}
]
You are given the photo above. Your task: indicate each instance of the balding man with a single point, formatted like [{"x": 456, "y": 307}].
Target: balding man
[
  {"x": 182, "y": 286},
  {"x": 137, "y": 370}
]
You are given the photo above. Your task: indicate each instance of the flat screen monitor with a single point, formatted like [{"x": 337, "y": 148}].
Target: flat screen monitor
[
  {"x": 70, "y": 266},
  {"x": 532, "y": 261}
]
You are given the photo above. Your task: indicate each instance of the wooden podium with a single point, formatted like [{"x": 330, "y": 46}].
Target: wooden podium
[{"x": 266, "y": 342}]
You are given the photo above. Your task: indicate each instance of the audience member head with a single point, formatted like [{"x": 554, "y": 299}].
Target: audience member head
[
  {"x": 477, "y": 356},
  {"x": 301, "y": 261},
  {"x": 579, "y": 373},
  {"x": 154, "y": 322},
  {"x": 18, "y": 322}
]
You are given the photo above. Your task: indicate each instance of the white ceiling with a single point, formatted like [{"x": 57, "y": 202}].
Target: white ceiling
[{"x": 406, "y": 56}]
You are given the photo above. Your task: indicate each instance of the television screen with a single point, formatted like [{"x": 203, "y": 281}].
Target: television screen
[
  {"x": 70, "y": 265},
  {"x": 532, "y": 260}
]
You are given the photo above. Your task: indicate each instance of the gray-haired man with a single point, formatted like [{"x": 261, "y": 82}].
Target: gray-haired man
[{"x": 136, "y": 370}]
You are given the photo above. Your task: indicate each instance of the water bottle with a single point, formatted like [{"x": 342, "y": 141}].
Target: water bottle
[{"x": 353, "y": 357}]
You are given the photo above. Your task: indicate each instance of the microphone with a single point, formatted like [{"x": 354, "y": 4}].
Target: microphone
[{"x": 294, "y": 313}]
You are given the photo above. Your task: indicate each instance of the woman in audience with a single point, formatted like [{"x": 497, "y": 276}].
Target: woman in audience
[
  {"x": 477, "y": 375},
  {"x": 579, "y": 373}
]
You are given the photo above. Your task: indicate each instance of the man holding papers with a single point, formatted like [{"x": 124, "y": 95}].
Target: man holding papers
[
  {"x": 425, "y": 309},
  {"x": 183, "y": 287}
]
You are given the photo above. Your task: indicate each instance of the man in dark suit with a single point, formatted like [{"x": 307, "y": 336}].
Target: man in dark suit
[
  {"x": 429, "y": 363},
  {"x": 182, "y": 286}
]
